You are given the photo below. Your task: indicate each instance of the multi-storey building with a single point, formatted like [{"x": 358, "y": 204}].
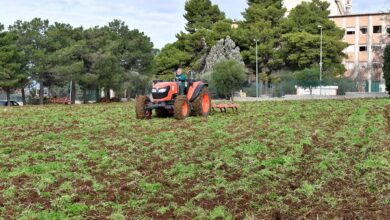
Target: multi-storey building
[{"x": 367, "y": 36}]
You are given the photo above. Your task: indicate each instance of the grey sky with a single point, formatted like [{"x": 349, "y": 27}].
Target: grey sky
[{"x": 159, "y": 19}]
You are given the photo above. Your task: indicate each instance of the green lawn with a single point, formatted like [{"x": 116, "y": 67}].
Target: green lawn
[{"x": 299, "y": 159}]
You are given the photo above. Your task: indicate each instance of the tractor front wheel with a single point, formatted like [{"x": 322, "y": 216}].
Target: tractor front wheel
[
  {"x": 181, "y": 107},
  {"x": 202, "y": 103},
  {"x": 140, "y": 111}
]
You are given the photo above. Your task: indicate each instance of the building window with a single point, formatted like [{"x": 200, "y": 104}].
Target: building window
[
  {"x": 376, "y": 48},
  {"x": 377, "y": 29},
  {"x": 363, "y": 30},
  {"x": 350, "y": 31},
  {"x": 363, "y": 48},
  {"x": 388, "y": 31},
  {"x": 376, "y": 65}
]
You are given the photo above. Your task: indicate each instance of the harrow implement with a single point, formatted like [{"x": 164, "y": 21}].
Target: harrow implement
[{"x": 224, "y": 107}]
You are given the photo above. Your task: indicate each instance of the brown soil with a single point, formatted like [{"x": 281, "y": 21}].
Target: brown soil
[
  {"x": 19, "y": 181},
  {"x": 32, "y": 197}
]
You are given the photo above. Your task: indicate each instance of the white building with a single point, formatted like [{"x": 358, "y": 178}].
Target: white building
[
  {"x": 337, "y": 7},
  {"x": 367, "y": 36}
]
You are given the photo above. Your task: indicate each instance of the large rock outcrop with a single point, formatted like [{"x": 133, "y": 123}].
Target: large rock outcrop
[{"x": 225, "y": 49}]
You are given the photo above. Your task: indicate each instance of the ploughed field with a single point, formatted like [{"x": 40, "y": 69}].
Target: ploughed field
[{"x": 272, "y": 160}]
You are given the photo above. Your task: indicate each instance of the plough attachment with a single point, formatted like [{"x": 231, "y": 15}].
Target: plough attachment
[{"x": 224, "y": 107}]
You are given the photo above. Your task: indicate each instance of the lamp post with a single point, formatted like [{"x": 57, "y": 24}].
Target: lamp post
[
  {"x": 257, "y": 70},
  {"x": 321, "y": 63}
]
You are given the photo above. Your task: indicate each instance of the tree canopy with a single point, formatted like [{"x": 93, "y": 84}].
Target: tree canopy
[
  {"x": 10, "y": 63},
  {"x": 300, "y": 43},
  {"x": 261, "y": 22},
  {"x": 206, "y": 24},
  {"x": 201, "y": 14},
  {"x": 283, "y": 42},
  {"x": 228, "y": 76},
  {"x": 115, "y": 57},
  {"x": 308, "y": 78},
  {"x": 56, "y": 54}
]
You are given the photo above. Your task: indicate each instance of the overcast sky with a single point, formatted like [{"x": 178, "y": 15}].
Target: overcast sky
[{"x": 159, "y": 19}]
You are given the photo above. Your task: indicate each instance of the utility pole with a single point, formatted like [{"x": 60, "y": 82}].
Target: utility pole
[
  {"x": 257, "y": 70},
  {"x": 321, "y": 63}
]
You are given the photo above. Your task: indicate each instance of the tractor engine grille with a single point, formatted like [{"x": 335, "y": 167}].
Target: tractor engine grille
[{"x": 160, "y": 95}]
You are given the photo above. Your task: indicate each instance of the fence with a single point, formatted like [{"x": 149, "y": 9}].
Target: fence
[{"x": 287, "y": 86}]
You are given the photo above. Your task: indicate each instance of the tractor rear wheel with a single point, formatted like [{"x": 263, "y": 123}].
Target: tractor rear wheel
[
  {"x": 162, "y": 113},
  {"x": 202, "y": 103},
  {"x": 181, "y": 107},
  {"x": 140, "y": 111}
]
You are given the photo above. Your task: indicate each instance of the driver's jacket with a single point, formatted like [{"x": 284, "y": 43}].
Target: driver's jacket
[{"x": 182, "y": 78}]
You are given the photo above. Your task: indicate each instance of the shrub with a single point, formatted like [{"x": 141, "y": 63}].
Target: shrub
[
  {"x": 308, "y": 78},
  {"x": 286, "y": 86},
  {"x": 228, "y": 76},
  {"x": 345, "y": 85}
]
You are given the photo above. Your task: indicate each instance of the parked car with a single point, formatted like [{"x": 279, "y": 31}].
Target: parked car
[{"x": 5, "y": 103}]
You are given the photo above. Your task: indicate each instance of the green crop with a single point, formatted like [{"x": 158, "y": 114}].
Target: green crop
[{"x": 289, "y": 159}]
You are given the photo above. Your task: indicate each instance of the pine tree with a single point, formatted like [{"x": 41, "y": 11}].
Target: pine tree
[
  {"x": 206, "y": 24},
  {"x": 262, "y": 22},
  {"x": 33, "y": 40},
  {"x": 301, "y": 39},
  {"x": 201, "y": 14},
  {"x": 10, "y": 62}
]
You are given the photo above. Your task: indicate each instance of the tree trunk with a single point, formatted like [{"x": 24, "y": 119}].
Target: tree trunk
[
  {"x": 108, "y": 95},
  {"x": 85, "y": 101},
  {"x": 97, "y": 94},
  {"x": 8, "y": 91},
  {"x": 41, "y": 92},
  {"x": 311, "y": 91},
  {"x": 73, "y": 98},
  {"x": 23, "y": 96}
]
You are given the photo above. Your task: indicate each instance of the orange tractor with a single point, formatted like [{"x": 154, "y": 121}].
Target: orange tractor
[{"x": 167, "y": 100}]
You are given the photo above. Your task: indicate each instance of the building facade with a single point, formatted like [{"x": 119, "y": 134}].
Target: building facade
[
  {"x": 337, "y": 7},
  {"x": 367, "y": 36}
]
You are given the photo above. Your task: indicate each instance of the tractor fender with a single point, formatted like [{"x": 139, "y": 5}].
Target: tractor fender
[{"x": 195, "y": 90}]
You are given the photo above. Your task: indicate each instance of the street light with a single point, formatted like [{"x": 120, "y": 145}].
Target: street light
[
  {"x": 321, "y": 64},
  {"x": 257, "y": 70}
]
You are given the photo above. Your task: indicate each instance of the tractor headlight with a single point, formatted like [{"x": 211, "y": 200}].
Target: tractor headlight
[
  {"x": 162, "y": 90},
  {"x": 154, "y": 90}
]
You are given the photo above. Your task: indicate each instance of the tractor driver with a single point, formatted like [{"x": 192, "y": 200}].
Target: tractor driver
[{"x": 182, "y": 79}]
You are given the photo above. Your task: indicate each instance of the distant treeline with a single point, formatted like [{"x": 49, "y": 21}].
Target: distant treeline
[{"x": 111, "y": 57}]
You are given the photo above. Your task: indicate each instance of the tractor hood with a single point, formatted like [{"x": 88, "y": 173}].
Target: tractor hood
[{"x": 161, "y": 85}]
